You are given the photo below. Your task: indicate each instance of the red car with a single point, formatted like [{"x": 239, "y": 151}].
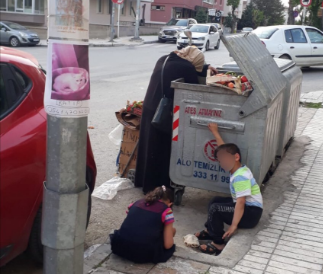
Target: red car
[{"x": 23, "y": 154}]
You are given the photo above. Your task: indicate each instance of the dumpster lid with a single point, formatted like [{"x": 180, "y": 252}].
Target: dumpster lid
[{"x": 260, "y": 68}]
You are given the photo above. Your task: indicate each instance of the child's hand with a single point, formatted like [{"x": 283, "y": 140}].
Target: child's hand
[
  {"x": 230, "y": 231},
  {"x": 213, "y": 127}
]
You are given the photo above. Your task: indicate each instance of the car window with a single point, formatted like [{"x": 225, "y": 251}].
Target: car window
[
  {"x": 182, "y": 23},
  {"x": 15, "y": 26},
  {"x": 265, "y": 33},
  {"x": 14, "y": 86},
  {"x": 298, "y": 36},
  {"x": 3, "y": 98},
  {"x": 314, "y": 35},
  {"x": 199, "y": 28},
  {"x": 288, "y": 36}
]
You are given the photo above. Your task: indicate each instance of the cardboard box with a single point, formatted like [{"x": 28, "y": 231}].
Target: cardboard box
[{"x": 128, "y": 145}]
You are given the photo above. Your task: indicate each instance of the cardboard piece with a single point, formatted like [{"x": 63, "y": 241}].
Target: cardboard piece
[{"x": 128, "y": 144}]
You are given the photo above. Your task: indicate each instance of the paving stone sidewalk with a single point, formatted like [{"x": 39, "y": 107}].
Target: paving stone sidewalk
[
  {"x": 314, "y": 97},
  {"x": 292, "y": 241}
]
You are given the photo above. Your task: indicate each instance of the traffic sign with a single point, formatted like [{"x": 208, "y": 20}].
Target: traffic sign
[
  {"x": 212, "y": 12},
  {"x": 295, "y": 13},
  {"x": 322, "y": 6},
  {"x": 117, "y": 1},
  {"x": 218, "y": 14},
  {"x": 306, "y": 3}
]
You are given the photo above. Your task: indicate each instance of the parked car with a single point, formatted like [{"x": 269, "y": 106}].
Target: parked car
[
  {"x": 219, "y": 27},
  {"x": 16, "y": 35},
  {"x": 173, "y": 28},
  {"x": 246, "y": 30},
  {"x": 23, "y": 154},
  {"x": 204, "y": 36},
  {"x": 302, "y": 44}
]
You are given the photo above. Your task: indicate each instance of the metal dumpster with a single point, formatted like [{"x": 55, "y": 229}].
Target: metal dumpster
[
  {"x": 252, "y": 121},
  {"x": 291, "y": 96}
]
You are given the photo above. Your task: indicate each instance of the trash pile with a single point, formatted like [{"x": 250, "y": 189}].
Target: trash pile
[{"x": 230, "y": 80}]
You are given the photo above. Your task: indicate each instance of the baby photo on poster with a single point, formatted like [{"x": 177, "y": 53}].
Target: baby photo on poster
[{"x": 70, "y": 72}]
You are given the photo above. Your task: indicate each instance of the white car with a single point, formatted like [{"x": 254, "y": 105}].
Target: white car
[
  {"x": 246, "y": 30},
  {"x": 204, "y": 36},
  {"x": 302, "y": 44}
]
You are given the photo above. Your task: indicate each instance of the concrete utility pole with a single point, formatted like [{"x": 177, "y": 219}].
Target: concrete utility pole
[
  {"x": 137, "y": 21},
  {"x": 65, "y": 200},
  {"x": 65, "y": 196},
  {"x": 112, "y": 23}
]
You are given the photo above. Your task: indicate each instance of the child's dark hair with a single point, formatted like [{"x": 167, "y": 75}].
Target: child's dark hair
[
  {"x": 160, "y": 193},
  {"x": 229, "y": 148}
]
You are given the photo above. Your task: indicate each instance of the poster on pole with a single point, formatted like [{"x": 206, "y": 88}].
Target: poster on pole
[{"x": 67, "y": 92}]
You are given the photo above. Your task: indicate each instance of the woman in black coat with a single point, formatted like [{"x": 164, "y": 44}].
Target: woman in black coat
[{"x": 154, "y": 149}]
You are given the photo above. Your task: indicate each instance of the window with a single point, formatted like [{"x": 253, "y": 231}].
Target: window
[
  {"x": 3, "y": 5},
  {"x": 28, "y": 6},
  {"x": 99, "y": 6},
  {"x": 209, "y": 1},
  {"x": 14, "y": 86},
  {"x": 158, "y": 7},
  {"x": 11, "y": 5},
  {"x": 315, "y": 36},
  {"x": 20, "y": 5},
  {"x": 39, "y": 6},
  {"x": 221, "y": 2},
  {"x": 266, "y": 32},
  {"x": 295, "y": 36}
]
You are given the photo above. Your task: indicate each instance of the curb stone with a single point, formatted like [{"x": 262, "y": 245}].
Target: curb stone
[{"x": 108, "y": 45}]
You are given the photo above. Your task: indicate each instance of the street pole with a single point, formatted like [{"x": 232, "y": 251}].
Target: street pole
[
  {"x": 112, "y": 23},
  {"x": 65, "y": 196},
  {"x": 119, "y": 19},
  {"x": 65, "y": 193},
  {"x": 304, "y": 15},
  {"x": 137, "y": 21}
]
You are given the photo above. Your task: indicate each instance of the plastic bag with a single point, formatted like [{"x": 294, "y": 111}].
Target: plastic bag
[
  {"x": 109, "y": 189},
  {"x": 115, "y": 135}
]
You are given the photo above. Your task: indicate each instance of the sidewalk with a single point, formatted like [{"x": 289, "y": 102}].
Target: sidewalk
[
  {"x": 289, "y": 242},
  {"x": 118, "y": 42}
]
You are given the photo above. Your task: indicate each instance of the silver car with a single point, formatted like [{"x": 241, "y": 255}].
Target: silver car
[
  {"x": 16, "y": 35},
  {"x": 173, "y": 28}
]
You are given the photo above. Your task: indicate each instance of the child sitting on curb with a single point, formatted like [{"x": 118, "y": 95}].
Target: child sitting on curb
[
  {"x": 243, "y": 210},
  {"x": 147, "y": 233}
]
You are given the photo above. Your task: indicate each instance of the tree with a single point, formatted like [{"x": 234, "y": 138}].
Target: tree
[
  {"x": 247, "y": 17},
  {"x": 251, "y": 17},
  {"x": 201, "y": 16},
  {"x": 273, "y": 11},
  {"x": 314, "y": 8},
  {"x": 228, "y": 20},
  {"x": 291, "y": 6},
  {"x": 234, "y": 5}
]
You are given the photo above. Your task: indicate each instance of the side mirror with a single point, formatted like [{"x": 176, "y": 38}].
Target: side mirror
[{"x": 3, "y": 29}]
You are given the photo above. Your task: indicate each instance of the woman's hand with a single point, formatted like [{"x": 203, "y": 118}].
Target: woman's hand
[
  {"x": 230, "y": 231},
  {"x": 213, "y": 70}
]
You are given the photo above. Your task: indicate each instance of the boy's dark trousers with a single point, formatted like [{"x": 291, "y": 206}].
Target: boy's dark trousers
[{"x": 221, "y": 210}]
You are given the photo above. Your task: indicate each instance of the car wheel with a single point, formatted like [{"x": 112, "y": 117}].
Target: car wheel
[
  {"x": 35, "y": 246},
  {"x": 14, "y": 42},
  {"x": 285, "y": 57},
  {"x": 207, "y": 46},
  {"x": 161, "y": 41},
  {"x": 217, "y": 45}
]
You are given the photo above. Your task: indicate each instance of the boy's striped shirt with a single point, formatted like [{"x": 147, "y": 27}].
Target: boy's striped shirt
[{"x": 243, "y": 184}]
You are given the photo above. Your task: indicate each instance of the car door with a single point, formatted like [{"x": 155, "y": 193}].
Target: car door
[
  {"x": 316, "y": 38},
  {"x": 22, "y": 155},
  {"x": 4, "y": 34},
  {"x": 298, "y": 46}
]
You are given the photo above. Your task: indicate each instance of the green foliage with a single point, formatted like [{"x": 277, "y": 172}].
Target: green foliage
[
  {"x": 228, "y": 21},
  {"x": 313, "y": 9},
  {"x": 273, "y": 11},
  {"x": 201, "y": 16},
  {"x": 234, "y": 5},
  {"x": 251, "y": 17}
]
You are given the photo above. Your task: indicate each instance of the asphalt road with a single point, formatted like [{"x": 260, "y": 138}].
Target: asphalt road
[{"x": 117, "y": 75}]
